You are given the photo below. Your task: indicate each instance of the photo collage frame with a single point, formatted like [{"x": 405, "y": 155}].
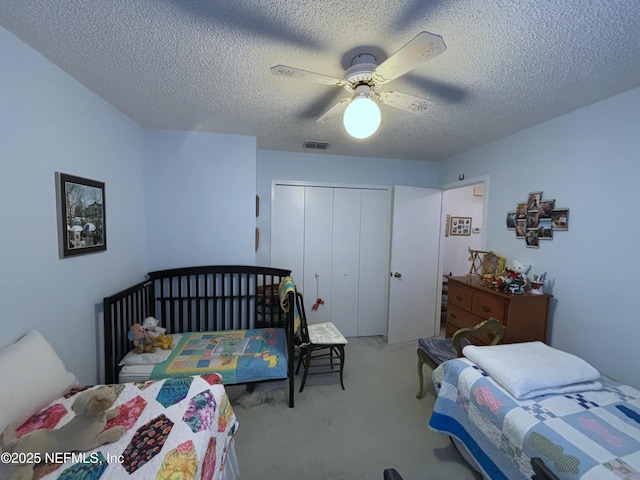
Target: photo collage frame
[{"x": 536, "y": 219}]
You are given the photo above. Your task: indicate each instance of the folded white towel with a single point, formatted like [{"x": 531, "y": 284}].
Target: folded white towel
[{"x": 530, "y": 369}]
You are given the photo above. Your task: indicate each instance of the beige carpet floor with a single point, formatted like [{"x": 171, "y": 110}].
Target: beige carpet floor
[{"x": 376, "y": 423}]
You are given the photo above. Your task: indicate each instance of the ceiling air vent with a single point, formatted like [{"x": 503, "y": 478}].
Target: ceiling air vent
[{"x": 316, "y": 145}]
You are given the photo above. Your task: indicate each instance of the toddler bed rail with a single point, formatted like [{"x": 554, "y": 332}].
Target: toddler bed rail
[{"x": 194, "y": 299}]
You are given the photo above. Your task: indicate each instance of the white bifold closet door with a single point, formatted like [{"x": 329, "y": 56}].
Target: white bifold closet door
[
  {"x": 287, "y": 230},
  {"x": 336, "y": 241},
  {"x": 375, "y": 236}
]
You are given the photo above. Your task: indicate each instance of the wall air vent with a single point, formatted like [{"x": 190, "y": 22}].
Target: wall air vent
[{"x": 316, "y": 145}]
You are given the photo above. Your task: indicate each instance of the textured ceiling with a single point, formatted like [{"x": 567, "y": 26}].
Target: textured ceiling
[{"x": 204, "y": 64}]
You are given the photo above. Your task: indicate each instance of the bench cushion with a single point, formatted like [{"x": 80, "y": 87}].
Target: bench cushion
[{"x": 326, "y": 334}]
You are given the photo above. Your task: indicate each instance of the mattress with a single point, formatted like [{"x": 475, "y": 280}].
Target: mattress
[
  {"x": 137, "y": 367},
  {"x": 135, "y": 373}
]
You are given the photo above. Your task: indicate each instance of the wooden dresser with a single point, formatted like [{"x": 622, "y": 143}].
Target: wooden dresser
[{"x": 469, "y": 303}]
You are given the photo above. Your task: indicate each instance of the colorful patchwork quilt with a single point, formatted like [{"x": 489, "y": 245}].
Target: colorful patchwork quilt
[
  {"x": 583, "y": 435},
  {"x": 239, "y": 356},
  {"x": 175, "y": 428}
]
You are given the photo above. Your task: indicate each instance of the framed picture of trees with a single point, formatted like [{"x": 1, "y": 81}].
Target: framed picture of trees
[{"x": 80, "y": 205}]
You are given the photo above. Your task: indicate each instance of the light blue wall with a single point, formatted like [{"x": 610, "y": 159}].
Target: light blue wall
[
  {"x": 200, "y": 190},
  {"x": 330, "y": 169},
  {"x": 589, "y": 162},
  {"x": 196, "y": 193},
  {"x": 48, "y": 123}
]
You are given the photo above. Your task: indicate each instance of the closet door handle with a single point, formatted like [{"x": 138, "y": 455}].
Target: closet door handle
[{"x": 397, "y": 275}]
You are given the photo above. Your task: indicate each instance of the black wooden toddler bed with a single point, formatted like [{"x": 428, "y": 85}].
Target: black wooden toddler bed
[{"x": 224, "y": 318}]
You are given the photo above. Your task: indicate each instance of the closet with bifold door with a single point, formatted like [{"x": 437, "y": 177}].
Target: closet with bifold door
[{"x": 335, "y": 240}]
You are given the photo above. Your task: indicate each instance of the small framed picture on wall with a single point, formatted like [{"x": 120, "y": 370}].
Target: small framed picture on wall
[
  {"x": 546, "y": 208},
  {"x": 545, "y": 232},
  {"x": 460, "y": 226},
  {"x": 533, "y": 201},
  {"x": 81, "y": 215},
  {"x": 560, "y": 219},
  {"x": 532, "y": 238}
]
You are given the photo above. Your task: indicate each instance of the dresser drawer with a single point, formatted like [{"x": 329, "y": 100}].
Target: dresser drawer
[
  {"x": 459, "y": 296},
  {"x": 486, "y": 305},
  {"x": 458, "y": 318}
]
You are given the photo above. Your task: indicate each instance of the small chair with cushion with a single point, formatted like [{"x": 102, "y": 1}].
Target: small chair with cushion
[
  {"x": 322, "y": 347},
  {"x": 435, "y": 350}
]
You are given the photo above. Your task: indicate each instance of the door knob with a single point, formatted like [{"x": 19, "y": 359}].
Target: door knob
[{"x": 397, "y": 275}]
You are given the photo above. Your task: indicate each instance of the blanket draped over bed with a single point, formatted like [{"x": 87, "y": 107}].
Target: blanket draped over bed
[
  {"x": 587, "y": 435},
  {"x": 239, "y": 356},
  {"x": 174, "y": 428},
  {"x": 531, "y": 369},
  {"x": 287, "y": 285}
]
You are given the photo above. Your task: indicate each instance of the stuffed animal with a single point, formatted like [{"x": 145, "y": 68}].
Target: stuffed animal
[
  {"x": 514, "y": 279},
  {"x": 141, "y": 341},
  {"x": 165, "y": 342},
  {"x": 84, "y": 432},
  {"x": 522, "y": 269},
  {"x": 150, "y": 325}
]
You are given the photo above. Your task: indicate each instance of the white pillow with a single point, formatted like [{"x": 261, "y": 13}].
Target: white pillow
[
  {"x": 31, "y": 376},
  {"x": 159, "y": 356}
]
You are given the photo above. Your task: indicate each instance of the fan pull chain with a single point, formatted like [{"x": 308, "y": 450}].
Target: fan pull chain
[{"x": 319, "y": 301}]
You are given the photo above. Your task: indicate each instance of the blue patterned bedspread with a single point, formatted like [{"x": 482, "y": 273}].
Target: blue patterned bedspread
[
  {"x": 589, "y": 435},
  {"x": 238, "y": 356}
]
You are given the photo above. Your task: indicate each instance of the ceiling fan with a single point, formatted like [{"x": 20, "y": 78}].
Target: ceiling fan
[{"x": 365, "y": 79}]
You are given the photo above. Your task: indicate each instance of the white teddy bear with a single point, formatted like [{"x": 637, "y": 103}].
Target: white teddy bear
[
  {"x": 522, "y": 268},
  {"x": 150, "y": 325}
]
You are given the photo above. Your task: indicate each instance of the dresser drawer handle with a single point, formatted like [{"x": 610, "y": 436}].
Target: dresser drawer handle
[
  {"x": 486, "y": 309},
  {"x": 459, "y": 297},
  {"x": 453, "y": 315}
]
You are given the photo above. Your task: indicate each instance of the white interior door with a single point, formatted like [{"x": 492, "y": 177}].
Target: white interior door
[{"x": 414, "y": 281}]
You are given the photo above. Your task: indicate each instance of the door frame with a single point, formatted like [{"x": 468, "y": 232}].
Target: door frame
[{"x": 481, "y": 180}]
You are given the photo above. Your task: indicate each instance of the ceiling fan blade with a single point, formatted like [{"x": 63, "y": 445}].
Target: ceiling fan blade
[
  {"x": 319, "y": 104},
  {"x": 409, "y": 103},
  {"x": 335, "y": 111},
  {"x": 421, "y": 48},
  {"x": 292, "y": 72},
  {"x": 416, "y": 9},
  {"x": 437, "y": 89},
  {"x": 251, "y": 21}
]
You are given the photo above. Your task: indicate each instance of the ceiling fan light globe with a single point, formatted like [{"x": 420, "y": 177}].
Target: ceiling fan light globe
[{"x": 362, "y": 118}]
